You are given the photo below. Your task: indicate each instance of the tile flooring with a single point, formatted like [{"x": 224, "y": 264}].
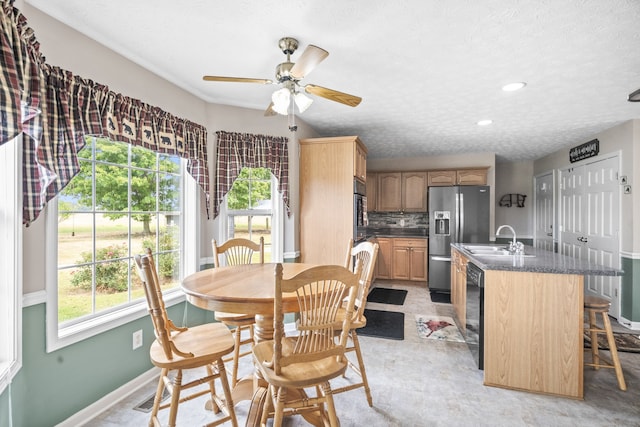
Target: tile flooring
[{"x": 419, "y": 382}]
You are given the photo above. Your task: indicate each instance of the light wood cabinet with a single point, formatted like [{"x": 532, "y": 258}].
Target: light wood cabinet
[
  {"x": 327, "y": 171},
  {"x": 441, "y": 178},
  {"x": 389, "y": 191},
  {"x": 360, "y": 162},
  {"x": 409, "y": 259},
  {"x": 476, "y": 176},
  {"x": 471, "y": 177},
  {"x": 402, "y": 192},
  {"x": 459, "y": 286},
  {"x": 414, "y": 191},
  {"x": 383, "y": 264},
  {"x": 372, "y": 191},
  {"x": 402, "y": 259}
]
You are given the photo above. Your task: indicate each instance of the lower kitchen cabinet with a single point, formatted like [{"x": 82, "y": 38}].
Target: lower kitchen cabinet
[
  {"x": 459, "y": 286},
  {"x": 402, "y": 258},
  {"x": 383, "y": 265}
]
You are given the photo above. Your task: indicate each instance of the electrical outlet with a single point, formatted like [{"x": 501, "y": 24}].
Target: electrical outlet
[
  {"x": 137, "y": 339},
  {"x": 402, "y": 223}
]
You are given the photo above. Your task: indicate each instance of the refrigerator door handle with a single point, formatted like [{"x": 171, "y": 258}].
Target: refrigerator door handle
[
  {"x": 441, "y": 258},
  {"x": 461, "y": 216}
]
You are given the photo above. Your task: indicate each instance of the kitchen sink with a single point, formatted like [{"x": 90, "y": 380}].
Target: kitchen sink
[{"x": 492, "y": 251}]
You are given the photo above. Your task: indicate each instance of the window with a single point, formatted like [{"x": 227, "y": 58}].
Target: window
[
  {"x": 250, "y": 207},
  {"x": 11, "y": 260},
  {"x": 124, "y": 199}
]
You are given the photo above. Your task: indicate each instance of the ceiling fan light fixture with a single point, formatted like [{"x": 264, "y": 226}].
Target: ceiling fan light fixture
[
  {"x": 281, "y": 100},
  {"x": 513, "y": 86},
  {"x": 302, "y": 101},
  {"x": 634, "y": 96}
]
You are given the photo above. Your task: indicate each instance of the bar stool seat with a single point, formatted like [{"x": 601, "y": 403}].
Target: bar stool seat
[{"x": 594, "y": 306}]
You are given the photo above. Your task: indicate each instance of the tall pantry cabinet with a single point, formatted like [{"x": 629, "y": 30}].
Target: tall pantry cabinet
[{"x": 328, "y": 167}]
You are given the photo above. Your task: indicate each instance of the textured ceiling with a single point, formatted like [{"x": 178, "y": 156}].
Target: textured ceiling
[{"x": 427, "y": 70}]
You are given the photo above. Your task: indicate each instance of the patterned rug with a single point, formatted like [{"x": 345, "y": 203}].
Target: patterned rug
[
  {"x": 440, "y": 328},
  {"x": 629, "y": 343}
]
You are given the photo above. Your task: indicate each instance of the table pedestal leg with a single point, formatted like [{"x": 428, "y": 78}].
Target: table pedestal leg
[{"x": 262, "y": 331}]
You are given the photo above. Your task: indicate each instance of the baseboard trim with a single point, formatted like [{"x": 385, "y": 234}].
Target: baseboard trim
[
  {"x": 629, "y": 324},
  {"x": 85, "y": 416}
]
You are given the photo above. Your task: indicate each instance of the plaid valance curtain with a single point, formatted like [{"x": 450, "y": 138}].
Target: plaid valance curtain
[
  {"x": 237, "y": 150},
  {"x": 55, "y": 110}
]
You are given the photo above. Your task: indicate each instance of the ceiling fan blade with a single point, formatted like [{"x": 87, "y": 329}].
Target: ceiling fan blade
[
  {"x": 236, "y": 80},
  {"x": 269, "y": 112},
  {"x": 333, "y": 95},
  {"x": 312, "y": 56}
]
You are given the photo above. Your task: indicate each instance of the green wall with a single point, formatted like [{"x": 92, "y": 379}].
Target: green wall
[
  {"x": 51, "y": 387},
  {"x": 630, "y": 298}
]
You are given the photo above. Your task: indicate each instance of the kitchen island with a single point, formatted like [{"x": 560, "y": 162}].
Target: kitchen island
[{"x": 533, "y": 318}]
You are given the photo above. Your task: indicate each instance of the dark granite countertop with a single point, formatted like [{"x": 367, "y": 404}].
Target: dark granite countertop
[
  {"x": 543, "y": 262},
  {"x": 397, "y": 232}
]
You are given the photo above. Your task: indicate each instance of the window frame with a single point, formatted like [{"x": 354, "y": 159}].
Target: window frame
[
  {"x": 11, "y": 261},
  {"x": 57, "y": 338},
  {"x": 277, "y": 222}
]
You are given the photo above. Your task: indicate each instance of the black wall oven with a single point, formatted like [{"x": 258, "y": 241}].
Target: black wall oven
[{"x": 360, "y": 220}]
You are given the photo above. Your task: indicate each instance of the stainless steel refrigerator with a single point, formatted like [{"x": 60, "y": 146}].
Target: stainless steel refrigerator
[{"x": 457, "y": 214}]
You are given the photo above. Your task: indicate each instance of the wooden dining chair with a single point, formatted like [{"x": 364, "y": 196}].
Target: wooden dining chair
[
  {"x": 178, "y": 349},
  {"x": 238, "y": 251},
  {"x": 315, "y": 355},
  {"x": 367, "y": 254}
]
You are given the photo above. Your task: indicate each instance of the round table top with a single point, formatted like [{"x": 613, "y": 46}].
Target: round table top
[{"x": 241, "y": 288}]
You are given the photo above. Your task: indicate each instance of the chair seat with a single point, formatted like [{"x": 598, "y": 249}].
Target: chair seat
[
  {"x": 207, "y": 342},
  {"x": 596, "y": 303},
  {"x": 235, "y": 319},
  {"x": 297, "y": 375}
]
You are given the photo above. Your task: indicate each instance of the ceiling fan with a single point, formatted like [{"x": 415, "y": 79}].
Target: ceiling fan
[{"x": 288, "y": 75}]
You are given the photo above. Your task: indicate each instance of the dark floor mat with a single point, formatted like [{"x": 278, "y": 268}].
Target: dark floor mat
[
  {"x": 387, "y": 296},
  {"x": 440, "y": 297},
  {"x": 383, "y": 324}
]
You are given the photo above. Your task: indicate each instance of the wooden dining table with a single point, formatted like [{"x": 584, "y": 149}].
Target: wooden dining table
[{"x": 246, "y": 289}]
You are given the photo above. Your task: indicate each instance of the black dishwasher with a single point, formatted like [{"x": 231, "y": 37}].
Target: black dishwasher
[{"x": 475, "y": 313}]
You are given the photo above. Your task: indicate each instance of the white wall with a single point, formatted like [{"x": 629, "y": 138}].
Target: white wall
[
  {"x": 515, "y": 177},
  {"x": 625, "y": 139}
]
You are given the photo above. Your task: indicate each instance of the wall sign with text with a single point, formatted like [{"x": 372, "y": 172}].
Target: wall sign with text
[{"x": 584, "y": 151}]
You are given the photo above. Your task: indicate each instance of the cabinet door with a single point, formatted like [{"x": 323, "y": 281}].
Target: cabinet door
[
  {"x": 384, "y": 261},
  {"x": 414, "y": 191},
  {"x": 372, "y": 191},
  {"x": 418, "y": 264},
  {"x": 389, "y": 191},
  {"x": 360, "y": 159},
  {"x": 441, "y": 178},
  {"x": 471, "y": 177},
  {"x": 401, "y": 262}
]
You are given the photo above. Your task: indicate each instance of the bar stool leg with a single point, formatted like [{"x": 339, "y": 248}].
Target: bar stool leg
[
  {"x": 614, "y": 351},
  {"x": 593, "y": 331}
]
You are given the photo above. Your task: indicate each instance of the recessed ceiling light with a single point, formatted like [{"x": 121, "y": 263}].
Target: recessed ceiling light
[
  {"x": 484, "y": 122},
  {"x": 513, "y": 86}
]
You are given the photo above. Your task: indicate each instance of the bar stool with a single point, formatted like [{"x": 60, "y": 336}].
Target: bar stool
[{"x": 593, "y": 306}]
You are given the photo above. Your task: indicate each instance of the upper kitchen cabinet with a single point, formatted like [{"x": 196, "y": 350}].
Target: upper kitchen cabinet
[
  {"x": 360, "y": 159},
  {"x": 414, "y": 191},
  {"x": 457, "y": 177},
  {"x": 372, "y": 191},
  {"x": 389, "y": 191},
  {"x": 402, "y": 192},
  {"x": 327, "y": 171}
]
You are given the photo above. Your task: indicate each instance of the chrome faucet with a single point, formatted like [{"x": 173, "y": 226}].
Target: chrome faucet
[{"x": 514, "y": 246}]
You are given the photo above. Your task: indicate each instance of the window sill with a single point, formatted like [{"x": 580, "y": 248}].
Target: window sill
[{"x": 80, "y": 331}]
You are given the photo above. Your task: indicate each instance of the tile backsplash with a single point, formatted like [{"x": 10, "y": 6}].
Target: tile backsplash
[{"x": 392, "y": 219}]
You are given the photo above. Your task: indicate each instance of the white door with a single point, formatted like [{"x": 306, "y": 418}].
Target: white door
[
  {"x": 544, "y": 212},
  {"x": 590, "y": 215}
]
